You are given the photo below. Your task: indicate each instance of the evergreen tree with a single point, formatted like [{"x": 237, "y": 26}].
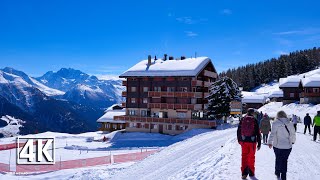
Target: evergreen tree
[{"x": 221, "y": 93}]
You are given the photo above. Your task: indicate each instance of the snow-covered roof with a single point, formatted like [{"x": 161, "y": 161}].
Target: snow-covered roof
[
  {"x": 313, "y": 81},
  {"x": 275, "y": 94},
  {"x": 254, "y": 99},
  {"x": 108, "y": 116},
  {"x": 159, "y": 67},
  {"x": 291, "y": 81}
]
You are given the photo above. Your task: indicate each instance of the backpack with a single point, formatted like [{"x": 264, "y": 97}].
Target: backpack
[{"x": 247, "y": 127}]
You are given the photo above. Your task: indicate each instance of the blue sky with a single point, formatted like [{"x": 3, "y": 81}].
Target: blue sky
[{"x": 108, "y": 37}]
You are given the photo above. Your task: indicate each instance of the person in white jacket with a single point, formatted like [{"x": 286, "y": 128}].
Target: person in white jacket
[{"x": 282, "y": 137}]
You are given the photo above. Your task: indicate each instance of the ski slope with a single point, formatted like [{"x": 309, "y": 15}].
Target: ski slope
[{"x": 211, "y": 155}]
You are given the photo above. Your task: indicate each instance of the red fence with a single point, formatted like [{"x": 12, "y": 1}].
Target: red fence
[
  {"x": 14, "y": 145},
  {"x": 79, "y": 163}
]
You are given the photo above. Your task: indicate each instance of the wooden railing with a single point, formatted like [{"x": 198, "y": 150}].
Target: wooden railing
[
  {"x": 124, "y": 83},
  {"x": 304, "y": 94},
  {"x": 210, "y": 74},
  {"x": 123, "y": 104},
  {"x": 124, "y": 93},
  {"x": 173, "y": 106},
  {"x": 175, "y": 94},
  {"x": 211, "y": 123},
  {"x": 196, "y": 83}
]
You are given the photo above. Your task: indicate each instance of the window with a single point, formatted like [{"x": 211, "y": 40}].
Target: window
[
  {"x": 133, "y": 100},
  {"x": 183, "y": 79},
  {"x": 145, "y": 89},
  {"x": 169, "y": 127},
  {"x": 132, "y": 112},
  {"x": 183, "y": 89},
  {"x": 114, "y": 126},
  {"x": 157, "y": 88},
  {"x": 145, "y": 100},
  {"x": 181, "y": 115},
  {"x": 170, "y": 89},
  {"x": 292, "y": 95},
  {"x": 316, "y": 90},
  {"x": 133, "y": 89},
  {"x": 143, "y": 113},
  {"x": 108, "y": 126},
  {"x": 120, "y": 126}
]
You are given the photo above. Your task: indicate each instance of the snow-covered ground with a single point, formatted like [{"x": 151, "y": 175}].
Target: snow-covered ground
[
  {"x": 213, "y": 154},
  {"x": 12, "y": 127},
  {"x": 298, "y": 109}
]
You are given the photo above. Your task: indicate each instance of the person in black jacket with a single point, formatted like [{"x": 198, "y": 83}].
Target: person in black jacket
[
  {"x": 307, "y": 123},
  {"x": 249, "y": 136}
]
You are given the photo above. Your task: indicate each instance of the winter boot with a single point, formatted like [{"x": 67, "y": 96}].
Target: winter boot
[
  {"x": 277, "y": 174},
  {"x": 244, "y": 176}
]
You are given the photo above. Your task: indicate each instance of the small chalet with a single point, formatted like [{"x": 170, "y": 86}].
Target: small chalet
[
  {"x": 276, "y": 96},
  {"x": 311, "y": 90},
  {"x": 107, "y": 121},
  {"x": 253, "y": 101},
  {"x": 292, "y": 89}
]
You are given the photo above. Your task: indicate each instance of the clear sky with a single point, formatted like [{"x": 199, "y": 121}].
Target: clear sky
[{"x": 109, "y": 36}]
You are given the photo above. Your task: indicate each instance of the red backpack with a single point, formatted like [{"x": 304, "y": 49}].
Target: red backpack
[{"x": 247, "y": 126}]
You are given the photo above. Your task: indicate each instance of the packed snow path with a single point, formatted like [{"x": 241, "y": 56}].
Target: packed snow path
[{"x": 217, "y": 155}]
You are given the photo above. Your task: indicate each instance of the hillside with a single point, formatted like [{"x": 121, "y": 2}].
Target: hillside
[{"x": 266, "y": 71}]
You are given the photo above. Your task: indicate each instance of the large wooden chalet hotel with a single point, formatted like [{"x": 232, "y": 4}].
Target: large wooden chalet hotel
[{"x": 167, "y": 95}]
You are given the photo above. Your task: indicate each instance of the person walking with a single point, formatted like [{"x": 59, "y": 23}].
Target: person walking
[
  {"x": 281, "y": 139},
  {"x": 307, "y": 123},
  {"x": 248, "y": 137},
  {"x": 265, "y": 127},
  {"x": 316, "y": 124},
  {"x": 295, "y": 121}
]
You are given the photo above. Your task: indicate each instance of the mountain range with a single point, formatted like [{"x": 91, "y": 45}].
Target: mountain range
[{"x": 64, "y": 101}]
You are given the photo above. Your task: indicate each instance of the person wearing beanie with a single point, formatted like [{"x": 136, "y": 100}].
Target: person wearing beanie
[{"x": 282, "y": 136}]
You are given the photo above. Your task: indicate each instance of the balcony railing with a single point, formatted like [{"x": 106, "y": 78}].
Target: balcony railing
[
  {"x": 207, "y": 84},
  {"x": 175, "y": 94},
  {"x": 124, "y": 94},
  {"x": 211, "y": 123},
  {"x": 175, "y": 106},
  {"x": 124, "y": 83},
  {"x": 123, "y": 104},
  {"x": 210, "y": 74},
  {"x": 313, "y": 94},
  {"x": 196, "y": 83}
]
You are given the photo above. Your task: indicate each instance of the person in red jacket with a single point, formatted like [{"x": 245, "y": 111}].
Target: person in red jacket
[{"x": 248, "y": 137}]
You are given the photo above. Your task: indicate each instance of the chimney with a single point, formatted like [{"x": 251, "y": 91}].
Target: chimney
[
  {"x": 171, "y": 58},
  {"x": 183, "y": 57},
  {"x": 165, "y": 57},
  {"x": 155, "y": 57},
  {"x": 149, "y": 60}
]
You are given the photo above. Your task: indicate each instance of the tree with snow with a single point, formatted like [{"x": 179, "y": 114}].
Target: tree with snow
[{"x": 221, "y": 93}]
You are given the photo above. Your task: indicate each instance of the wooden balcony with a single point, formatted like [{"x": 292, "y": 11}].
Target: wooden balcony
[
  {"x": 211, "y": 123},
  {"x": 123, "y": 104},
  {"x": 210, "y": 74},
  {"x": 175, "y": 94},
  {"x": 313, "y": 94},
  {"x": 124, "y": 83},
  {"x": 124, "y": 94},
  {"x": 207, "y": 84},
  {"x": 196, "y": 83},
  {"x": 175, "y": 106}
]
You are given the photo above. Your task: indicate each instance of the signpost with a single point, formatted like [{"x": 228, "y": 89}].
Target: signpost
[{"x": 235, "y": 107}]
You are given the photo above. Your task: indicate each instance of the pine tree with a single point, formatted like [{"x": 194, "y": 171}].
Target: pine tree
[{"x": 221, "y": 93}]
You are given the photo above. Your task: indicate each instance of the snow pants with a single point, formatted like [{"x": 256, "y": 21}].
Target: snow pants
[
  {"x": 315, "y": 132},
  {"x": 265, "y": 138},
  {"x": 248, "y": 157},
  {"x": 282, "y": 156},
  {"x": 305, "y": 128}
]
